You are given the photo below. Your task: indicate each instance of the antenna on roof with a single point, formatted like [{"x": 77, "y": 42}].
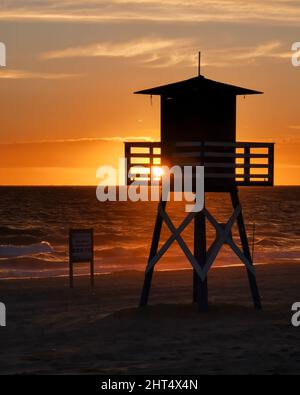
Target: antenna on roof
[{"x": 199, "y": 64}]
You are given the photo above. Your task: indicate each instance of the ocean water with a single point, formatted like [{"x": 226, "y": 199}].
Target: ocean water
[{"x": 34, "y": 226}]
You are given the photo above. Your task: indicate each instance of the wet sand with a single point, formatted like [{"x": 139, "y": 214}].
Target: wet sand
[{"x": 54, "y": 330}]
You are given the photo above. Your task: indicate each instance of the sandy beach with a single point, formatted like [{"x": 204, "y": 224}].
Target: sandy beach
[{"x": 54, "y": 330}]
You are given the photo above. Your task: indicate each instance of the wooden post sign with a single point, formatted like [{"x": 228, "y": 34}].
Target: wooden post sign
[{"x": 81, "y": 249}]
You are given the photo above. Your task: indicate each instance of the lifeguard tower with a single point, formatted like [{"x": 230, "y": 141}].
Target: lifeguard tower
[{"x": 198, "y": 127}]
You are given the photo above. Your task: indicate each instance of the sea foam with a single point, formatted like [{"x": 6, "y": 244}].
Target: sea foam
[{"x": 10, "y": 251}]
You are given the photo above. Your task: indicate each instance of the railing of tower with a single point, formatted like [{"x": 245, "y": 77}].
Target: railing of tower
[{"x": 239, "y": 163}]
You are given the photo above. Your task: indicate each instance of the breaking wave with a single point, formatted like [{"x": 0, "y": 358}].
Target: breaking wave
[{"x": 13, "y": 251}]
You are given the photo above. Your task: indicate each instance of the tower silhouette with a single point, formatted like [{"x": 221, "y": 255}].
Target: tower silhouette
[{"x": 198, "y": 127}]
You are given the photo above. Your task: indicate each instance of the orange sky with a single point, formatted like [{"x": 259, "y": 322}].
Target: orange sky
[{"x": 66, "y": 93}]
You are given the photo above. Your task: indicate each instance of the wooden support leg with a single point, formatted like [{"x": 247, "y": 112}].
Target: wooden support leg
[
  {"x": 71, "y": 282},
  {"x": 200, "y": 287},
  {"x": 153, "y": 252},
  {"x": 195, "y": 286},
  {"x": 92, "y": 273},
  {"x": 244, "y": 240}
]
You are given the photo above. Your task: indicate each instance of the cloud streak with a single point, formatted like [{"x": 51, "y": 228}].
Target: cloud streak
[
  {"x": 248, "y": 54},
  {"x": 31, "y": 75},
  {"x": 164, "y": 52},
  {"x": 187, "y": 11},
  {"x": 145, "y": 47}
]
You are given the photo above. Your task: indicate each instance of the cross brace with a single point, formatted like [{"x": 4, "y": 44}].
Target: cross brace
[{"x": 201, "y": 260}]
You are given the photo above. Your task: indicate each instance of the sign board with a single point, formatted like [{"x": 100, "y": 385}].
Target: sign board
[
  {"x": 81, "y": 245},
  {"x": 81, "y": 249}
]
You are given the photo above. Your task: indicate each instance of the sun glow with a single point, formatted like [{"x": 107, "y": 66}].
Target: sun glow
[{"x": 157, "y": 172}]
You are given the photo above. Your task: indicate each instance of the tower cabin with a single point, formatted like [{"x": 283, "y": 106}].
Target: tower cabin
[{"x": 198, "y": 127}]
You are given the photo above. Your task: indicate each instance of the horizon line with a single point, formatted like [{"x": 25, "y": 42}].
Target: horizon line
[{"x": 95, "y": 186}]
